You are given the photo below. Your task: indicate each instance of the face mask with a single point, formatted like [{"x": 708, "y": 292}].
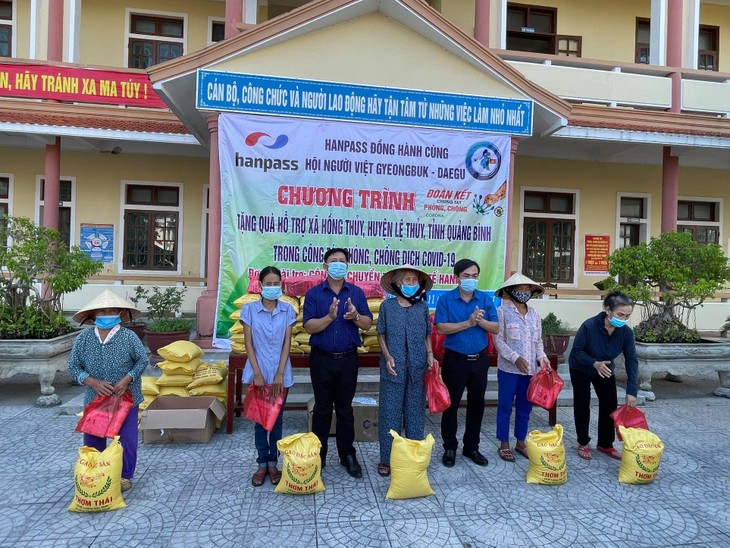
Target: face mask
[
  {"x": 409, "y": 290},
  {"x": 107, "y": 322},
  {"x": 468, "y": 285},
  {"x": 337, "y": 271},
  {"x": 271, "y": 292},
  {"x": 519, "y": 296},
  {"x": 617, "y": 323}
]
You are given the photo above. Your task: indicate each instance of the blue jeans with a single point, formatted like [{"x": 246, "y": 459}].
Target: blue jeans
[
  {"x": 512, "y": 388},
  {"x": 266, "y": 441}
]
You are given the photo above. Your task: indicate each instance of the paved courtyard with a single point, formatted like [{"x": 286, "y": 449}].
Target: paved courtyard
[{"x": 200, "y": 495}]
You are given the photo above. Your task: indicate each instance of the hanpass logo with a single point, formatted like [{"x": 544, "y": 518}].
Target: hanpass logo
[{"x": 253, "y": 139}]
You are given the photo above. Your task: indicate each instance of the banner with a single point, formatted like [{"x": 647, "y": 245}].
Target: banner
[
  {"x": 293, "y": 188},
  {"x": 597, "y": 250}
]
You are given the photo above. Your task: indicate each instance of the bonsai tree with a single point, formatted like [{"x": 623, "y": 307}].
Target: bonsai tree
[
  {"x": 163, "y": 308},
  {"x": 668, "y": 278},
  {"x": 555, "y": 334},
  {"x": 38, "y": 269}
]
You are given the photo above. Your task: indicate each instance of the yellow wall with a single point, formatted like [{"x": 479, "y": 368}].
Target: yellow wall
[
  {"x": 103, "y": 23},
  {"x": 719, "y": 16},
  {"x": 460, "y": 13}
]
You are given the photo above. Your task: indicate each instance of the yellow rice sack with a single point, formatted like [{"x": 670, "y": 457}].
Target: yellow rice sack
[
  {"x": 294, "y": 301},
  {"x": 180, "y": 351},
  {"x": 235, "y": 315},
  {"x": 374, "y": 304},
  {"x": 238, "y": 338},
  {"x": 181, "y": 391},
  {"x": 245, "y": 299},
  {"x": 209, "y": 373},
  {"x": 302, "y": 467},
  {"x": 409, "y": 460},
  {"x": 167, "y": 379},
  {"x": 302, "y": 338},
  {"x": 641, "y": 456},
  {"x": 97, "y": 478},
  {"x": 220, "y": 389},
  {"x": 236, "y": 328},
  {"x": 146, "y": 403},
  {"x": 547, "y": 457},
  {"x": 180, "y": 368},
  {"x": 149, "y": 386}
]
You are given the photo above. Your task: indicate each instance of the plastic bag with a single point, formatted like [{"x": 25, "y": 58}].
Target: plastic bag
[
  {"x": 547, "y": 457},
  {"x": 544, "y": 388},
  {"x": 437, "y": 394},
  {"x": 629, "y": 417},
  {"x": 641, "y": 456},
  {"x": 97, "y": 479},
  {"x": 104, "y": 415},
  {"x": 302, "y": 466},
  {"x": 261, "y": 406},
  {"x": 437, "y": 341},
  {"x": 409, "y": 461}
]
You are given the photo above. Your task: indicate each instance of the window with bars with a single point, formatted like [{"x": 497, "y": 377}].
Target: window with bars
[
  {"x": 643, "y": 39},
  {"x": 701, "y": 219},
  {"x": 531, "y": 28},
  {"x": 151, "y": 227},
  {"x": 570, "y": 46},
  {"x": 65, "y": 207},
  {"x": 4, "y": 207},
  {"x": 6, "y": 29},
  {"x": 708, "y": 48},
  {"x": 154, "y": 40}
]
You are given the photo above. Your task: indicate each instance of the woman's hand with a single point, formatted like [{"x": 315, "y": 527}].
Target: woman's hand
[
  {"x": 630, "y": 401},
  {"x": 430, "y": 360},
  {"x": 103, "y": 388},
  {"x": 258, "y": 380},
  {"x": 120, "y": 387},
  {"x": 522, "y": 365},
  {"x": 390, "y": 366},
  {"x": 278, "y": 383},
  {"x": 545, "y": 362},
  {"x": 603, "y": 369}
]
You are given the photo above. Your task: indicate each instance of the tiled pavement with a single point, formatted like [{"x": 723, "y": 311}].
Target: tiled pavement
[{"x": 200, "y": 495}]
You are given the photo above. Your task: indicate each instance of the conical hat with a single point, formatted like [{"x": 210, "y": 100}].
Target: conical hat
[
  {"x": 387, "y": 279},
  {"x": 106, "y": 299},
  {"x": 519, "y": 279}
]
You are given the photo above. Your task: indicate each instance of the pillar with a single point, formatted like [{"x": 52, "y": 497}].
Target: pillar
[
  {"x": 52, "y": 185},
  {"x": 511, "y": 199},
  {"x": 481, "y": 22},
  {"x": 670, "y": 190},
  {"x": 674, "y": 51},
  {"x": 55, "y": 30},
  {"x": 234, "y": 16}
]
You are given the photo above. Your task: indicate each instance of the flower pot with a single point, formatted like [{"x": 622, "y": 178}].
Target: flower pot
[
  {"x": 555, "y": 344},
  {"x": 156, "y": 340},
  {"x": 139, "y": 328}
]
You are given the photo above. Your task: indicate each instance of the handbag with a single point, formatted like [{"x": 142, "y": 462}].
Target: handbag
[
  {"x": 544, "y": 388},
  {"x": 629, "y": 417},
  {"x": 261, "y": 406},
  {"x": 437, "y": 394},
  {"x": 104, "y": 415}
]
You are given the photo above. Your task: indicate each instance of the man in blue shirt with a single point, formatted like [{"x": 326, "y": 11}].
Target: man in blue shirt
[
  {"x": 333, "y": 312},
  {"x": 465, "y": 315}
]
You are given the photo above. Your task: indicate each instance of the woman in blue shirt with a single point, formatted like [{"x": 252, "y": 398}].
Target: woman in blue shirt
[
  {"x": 597, "y": 344},
  {"x": 267, "y": 329}
]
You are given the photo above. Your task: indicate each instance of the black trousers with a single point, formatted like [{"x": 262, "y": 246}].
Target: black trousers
[
  {"x": 458, "y": 373},
  {"x": 607, "y": 403},
  {"x": 334, "y": 381}
]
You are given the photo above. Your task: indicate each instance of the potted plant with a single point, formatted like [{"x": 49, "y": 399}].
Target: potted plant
[
  {"x": 163, "y": 310},
  {"x": 669, "y": 278},
  {"x": 555, "y": 335},
  {"x": 38, "y": 270}
]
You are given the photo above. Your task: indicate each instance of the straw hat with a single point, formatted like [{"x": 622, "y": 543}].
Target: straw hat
[
  {"x": 105, "y": 299},
  {"x": 519, "y": 279},
  {"x": 387, "y": 279}
]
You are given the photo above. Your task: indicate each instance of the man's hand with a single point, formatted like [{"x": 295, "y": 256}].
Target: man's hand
[
  {"x": 475, "y": 316},
  {"x": 351, "y": 313},
  {"x": 333, "y": 308}
]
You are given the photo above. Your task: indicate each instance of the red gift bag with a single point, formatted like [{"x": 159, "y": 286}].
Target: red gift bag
[
  {"x": 437, "y": 394},
  {"x": 104, "y": 415},
  {"x": 629, "y": 417},
  {"x": 544, "y": 388},
  {"x": 261, "y": 406}
]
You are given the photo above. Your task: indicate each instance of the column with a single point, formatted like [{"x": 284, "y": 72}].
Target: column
[
  {"x": 52, "y": 185},
  {"x": 674, "y": 51},
  {"x": 206, "y": 304},
  {"x": 55, "y": 30},
  {"x": 481, "y": 22},
  {"x": 670, "y": 190},
  {"x": 511, "y": 199},
  {"x": 234, "y": 16}
]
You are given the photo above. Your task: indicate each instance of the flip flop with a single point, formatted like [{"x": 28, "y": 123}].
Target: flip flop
[
  {"x": 522, "y": 451},
  {"x": 611, "y": 452},
  {"x": 506, "y": 454},
  {"x": 584, "y": 452},
  {"x": 257, "y": 480},
  {"x": 274, "y": 476},
  {"x": 383, "y": 469}
]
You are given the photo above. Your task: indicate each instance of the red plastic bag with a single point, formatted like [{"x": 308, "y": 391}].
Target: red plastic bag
[
  {"x": 629, "y": 417},
  {"x": 437, "y": 394},
  {"x": 544, "y": 388},
  {"x": 437, "y": 341},
  {"x": 104, "y": 415},
  {"x": 261, "y": 406}
]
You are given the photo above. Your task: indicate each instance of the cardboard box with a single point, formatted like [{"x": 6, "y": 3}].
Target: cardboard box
[
  {"x": 176, "y": 419},
  {"x": 365, "y": 409}
]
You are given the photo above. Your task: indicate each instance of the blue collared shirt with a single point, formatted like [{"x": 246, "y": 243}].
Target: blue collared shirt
[
  {"x": 451, "y": 308},
  {"x": 341, "y": 335}
]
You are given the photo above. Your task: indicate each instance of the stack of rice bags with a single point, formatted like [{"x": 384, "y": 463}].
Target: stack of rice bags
[
  {"x": 182, "y": 359},
  {"x": 370, "y": 337},
  {"x": 300, "y": 338},
  {"x": 150, "y": 391}
]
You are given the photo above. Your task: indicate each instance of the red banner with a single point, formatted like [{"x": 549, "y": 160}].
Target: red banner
[
  {"x": 79, "y": 85},
  {"x": 596, "y": 256}
]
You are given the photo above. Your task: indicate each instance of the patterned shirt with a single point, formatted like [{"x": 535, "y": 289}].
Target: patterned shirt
[
  {"x": 268, "y": 329},
  {"x": 406, "y": 329},
  {"x": 451, "y": 308},
  {"x": 519, "y": 336},
  {"x": 119, "y": 355}
]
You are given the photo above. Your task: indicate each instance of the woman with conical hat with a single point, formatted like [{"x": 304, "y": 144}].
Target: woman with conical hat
[
  {"x": 520, "y": 349},
  {"x": 404, "y": 334},
  {"x": 110, "y": 359}
]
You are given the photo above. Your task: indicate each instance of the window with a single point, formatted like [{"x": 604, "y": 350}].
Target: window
[
  {"x": 531, "y": 28},
  {"x": 151, "y": 227},
  {"x": 549, "y": 236},
  {"x": 633, "y": 221},
  {"x": 65, "y": 208},
  {"x": 217, "y": 31},
  {"x": 6, "y": 29},
  {"x": 570, "y": 46},
  {"x": 701, "y": 219},
  {"x": 153, "y": 40},
  {"x": 708, "y": 46},
  {"x": 643, "y": 39},
  {"x": 4, "y": 206}
]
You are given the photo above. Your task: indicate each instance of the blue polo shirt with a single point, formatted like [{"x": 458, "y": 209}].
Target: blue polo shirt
[
  {"x": 341, "y": 335},
  {"x": 451, "y": 308}
]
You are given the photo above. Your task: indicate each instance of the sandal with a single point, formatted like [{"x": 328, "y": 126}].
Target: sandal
[
  {"x": 522, "y": 451},
  {"x": 611, "y": 452},
  {"x": 383, "y": 470},
  {"x": 274, "y": 475},
  {"x": 505, "y": 453},
  {"x": 257, "y": 480},
  {"x": 584, "y": 452}
]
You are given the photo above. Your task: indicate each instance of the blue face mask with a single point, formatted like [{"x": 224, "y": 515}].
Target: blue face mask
[
  {"x": 107, "y": 322},
  {"x": 409, "y": 290},
  {"x": 468, "y": 285},
  {"x": 271, "y": 292},
  {"x": 337, "y": 271},
  {"x": 617, "y": 323}
]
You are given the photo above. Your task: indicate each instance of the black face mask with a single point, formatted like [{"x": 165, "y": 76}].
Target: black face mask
[{"x": 519, "y": 296}]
